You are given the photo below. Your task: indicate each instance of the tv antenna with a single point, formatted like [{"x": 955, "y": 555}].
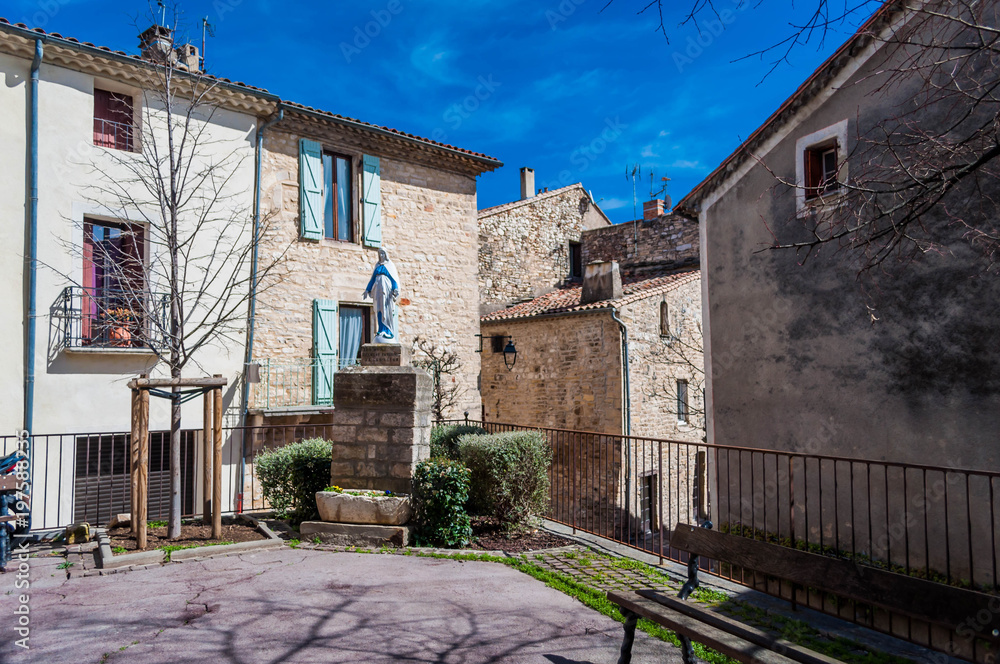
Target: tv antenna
[{"x": 208, "y": 28}]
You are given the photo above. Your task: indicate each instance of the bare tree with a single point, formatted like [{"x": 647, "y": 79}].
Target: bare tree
[
  {"x": 190, "y": 234},
  {"x": 443, "y": 365},
  {"x": 928, "y": 165}
]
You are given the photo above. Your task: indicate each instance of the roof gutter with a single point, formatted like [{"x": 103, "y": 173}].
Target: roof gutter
[{"x": 362, "y": 126}]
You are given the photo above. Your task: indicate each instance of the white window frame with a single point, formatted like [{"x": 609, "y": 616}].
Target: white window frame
[{"x": 817, "y": 139}]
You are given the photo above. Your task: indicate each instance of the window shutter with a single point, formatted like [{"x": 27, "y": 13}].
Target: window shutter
[
  {"x": 372, "y": 187},
  {"x": 324, "y": 350},
  {"x": 311, "y": 189}
]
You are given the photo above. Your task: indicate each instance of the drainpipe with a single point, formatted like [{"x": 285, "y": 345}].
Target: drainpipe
[
  {"x": 29, "y": 368},
  {"x": 253, "y": 286},
  {"x": 628, "y": 408}
]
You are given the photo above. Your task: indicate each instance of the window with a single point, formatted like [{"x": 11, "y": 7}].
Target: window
[
  {"x": 112, "y": 307},
  {"x": 821, "y": 171},
  {"x": 355, "y": 329},
  {"x": 337, "y": 218},
  {"x": 113, "y": 117},
  {"x": 821, "y": 168},
  {"x": 575, "y": 260},
  {"x": 682, "y": 401},
  {"x": 664, "y": 320}
]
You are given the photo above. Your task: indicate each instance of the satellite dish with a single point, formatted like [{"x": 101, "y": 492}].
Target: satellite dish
[{"x": 667, "y": 203}]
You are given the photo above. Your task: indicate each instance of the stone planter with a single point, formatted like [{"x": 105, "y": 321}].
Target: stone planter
[{"x": 348, "y": 507}]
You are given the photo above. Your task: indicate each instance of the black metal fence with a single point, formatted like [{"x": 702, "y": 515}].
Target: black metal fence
[
  {"x": 931, "y": 522},
  {"x": 926, "y": 521},
  {"x": 109, "y": 318}
]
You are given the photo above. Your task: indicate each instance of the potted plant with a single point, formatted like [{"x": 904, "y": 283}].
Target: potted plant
[{"x": 119, "y": 320}]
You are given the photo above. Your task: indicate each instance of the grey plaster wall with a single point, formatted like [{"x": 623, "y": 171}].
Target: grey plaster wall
[{"x": 807, "y": 357}]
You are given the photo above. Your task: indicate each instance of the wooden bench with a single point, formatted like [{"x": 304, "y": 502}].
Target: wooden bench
[{"x": 935, "y": 603}]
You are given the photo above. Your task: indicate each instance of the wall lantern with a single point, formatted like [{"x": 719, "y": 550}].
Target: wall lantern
[
  {"x": 510, "y": 355},
  {"x": 509, "y": 351}
]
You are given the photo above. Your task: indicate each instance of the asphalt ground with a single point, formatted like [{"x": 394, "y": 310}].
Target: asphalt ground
[{"x": 295, "y": 605}]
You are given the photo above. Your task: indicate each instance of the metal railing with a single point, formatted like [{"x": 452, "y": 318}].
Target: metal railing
[
  {"x": 112, "y": 134},
  {"x": 925, "y": 521},
  {"x": 920, "y": 520},
  {"x": 292, "y": 383},
  {"x": 105, "y": 318}
]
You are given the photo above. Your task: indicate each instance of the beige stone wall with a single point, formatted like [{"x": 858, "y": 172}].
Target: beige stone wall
[
  {"x": 657, "y": 362},
  {"x": 567, "y": 376},
  {"x": 524, "y": 246},
  {"x": 429, "y": 230}
]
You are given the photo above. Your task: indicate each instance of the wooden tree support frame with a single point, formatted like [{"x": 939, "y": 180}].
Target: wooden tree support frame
[{"x": 139, "y": 452}]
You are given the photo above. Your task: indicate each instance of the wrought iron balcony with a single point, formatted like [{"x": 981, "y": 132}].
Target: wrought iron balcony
[
  {"x": 111, "y": 134},
  {"x": 291, "y": 383},
  {"x": 99, "y": 318}
]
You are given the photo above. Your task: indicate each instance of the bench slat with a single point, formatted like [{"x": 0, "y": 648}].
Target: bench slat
[
  {"x": 918, "y": 598},
  {"x": 738, "y": 629},
  {"x": 712, "y": 637}
]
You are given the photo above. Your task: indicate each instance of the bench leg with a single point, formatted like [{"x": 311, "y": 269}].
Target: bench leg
[
  {"x": 630, "y": 620},
  {"x": 686, "y": 650}
]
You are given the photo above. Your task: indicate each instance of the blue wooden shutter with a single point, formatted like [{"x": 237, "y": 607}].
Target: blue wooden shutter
[
  {"x": 324, "y": 350},
  {"x": 311, "y": 189},
  {"x": 372, "y": 186}
]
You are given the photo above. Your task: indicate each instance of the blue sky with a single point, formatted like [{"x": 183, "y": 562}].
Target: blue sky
[{"x": 577, "y": 93}]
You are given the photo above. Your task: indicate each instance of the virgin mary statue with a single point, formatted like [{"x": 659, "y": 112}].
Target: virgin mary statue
[{"x": 383, "y": 289}]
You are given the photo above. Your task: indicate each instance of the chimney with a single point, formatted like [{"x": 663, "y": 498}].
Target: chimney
[
  {"x": 652, "y": 210},
  {"x": 188, "y": 57},
  {"x": 601, "y": 281},
  {"x": 157, "y": 43},
  {"x": 527, "y": 183}
]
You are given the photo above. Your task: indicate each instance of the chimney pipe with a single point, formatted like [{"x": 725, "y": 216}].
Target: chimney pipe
[{"x": 527, "y": 183}]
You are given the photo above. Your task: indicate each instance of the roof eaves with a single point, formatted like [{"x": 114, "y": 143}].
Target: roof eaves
[
  {"x": 503, "y": 207},
  {"x": 687, "y": 206},
  {"x": 489, "y": 162},
  {"x": 120, "y": 56}
]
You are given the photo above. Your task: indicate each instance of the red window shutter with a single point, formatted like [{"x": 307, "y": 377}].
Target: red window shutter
[
  {"x": 112, "y": 120},
  {"x": 814, "y": 172}
]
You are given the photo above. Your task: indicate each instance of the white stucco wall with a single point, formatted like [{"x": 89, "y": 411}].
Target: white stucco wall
[{"x": 77, "y": 392}]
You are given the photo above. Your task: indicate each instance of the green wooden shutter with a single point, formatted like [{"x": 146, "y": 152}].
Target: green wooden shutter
[
  {"x": 324, "y": 350},
  {"x": 372, "y": 186},
  {"x": 311, "y": 189}
]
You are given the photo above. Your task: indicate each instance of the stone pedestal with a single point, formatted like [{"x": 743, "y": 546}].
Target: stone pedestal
[
  {"x": 383, "y": 355},
  {"x": 383, "y": 422}
]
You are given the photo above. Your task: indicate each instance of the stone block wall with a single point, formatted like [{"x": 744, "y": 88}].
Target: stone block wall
[
  {"x": 667, "y": 241},
  {"x": 657, "y": 362},
  {"x": 524, "y": 245},
  {"x": 429, "y": 230},
  {"x": 382, "y": 427},
  {"x": 567, "y": 375}
]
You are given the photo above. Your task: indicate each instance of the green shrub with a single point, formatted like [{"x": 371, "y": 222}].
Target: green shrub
[
  {"x": 444, "y": 439},
  {"x": 510, "y": 475},
  {"x": 440, "y": 490},
  {"x": 291, "y": 475}
]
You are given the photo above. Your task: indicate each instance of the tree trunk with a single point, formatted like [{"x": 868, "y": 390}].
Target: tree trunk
[{"x": 174, "y": 522}]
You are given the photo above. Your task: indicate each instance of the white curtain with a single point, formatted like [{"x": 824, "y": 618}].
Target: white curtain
[{"x": 352, "y": 325}]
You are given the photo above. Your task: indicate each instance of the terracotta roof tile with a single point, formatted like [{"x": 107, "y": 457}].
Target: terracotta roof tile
[{"x": 567, "y": 299}]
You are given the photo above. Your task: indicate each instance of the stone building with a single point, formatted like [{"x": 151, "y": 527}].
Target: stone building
[
  {"x": 530, "y": 246},
  {"x": 410, "y": 196},
  {"x": 615, "y": 354},
  {"x": 809, "y": 355}
]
